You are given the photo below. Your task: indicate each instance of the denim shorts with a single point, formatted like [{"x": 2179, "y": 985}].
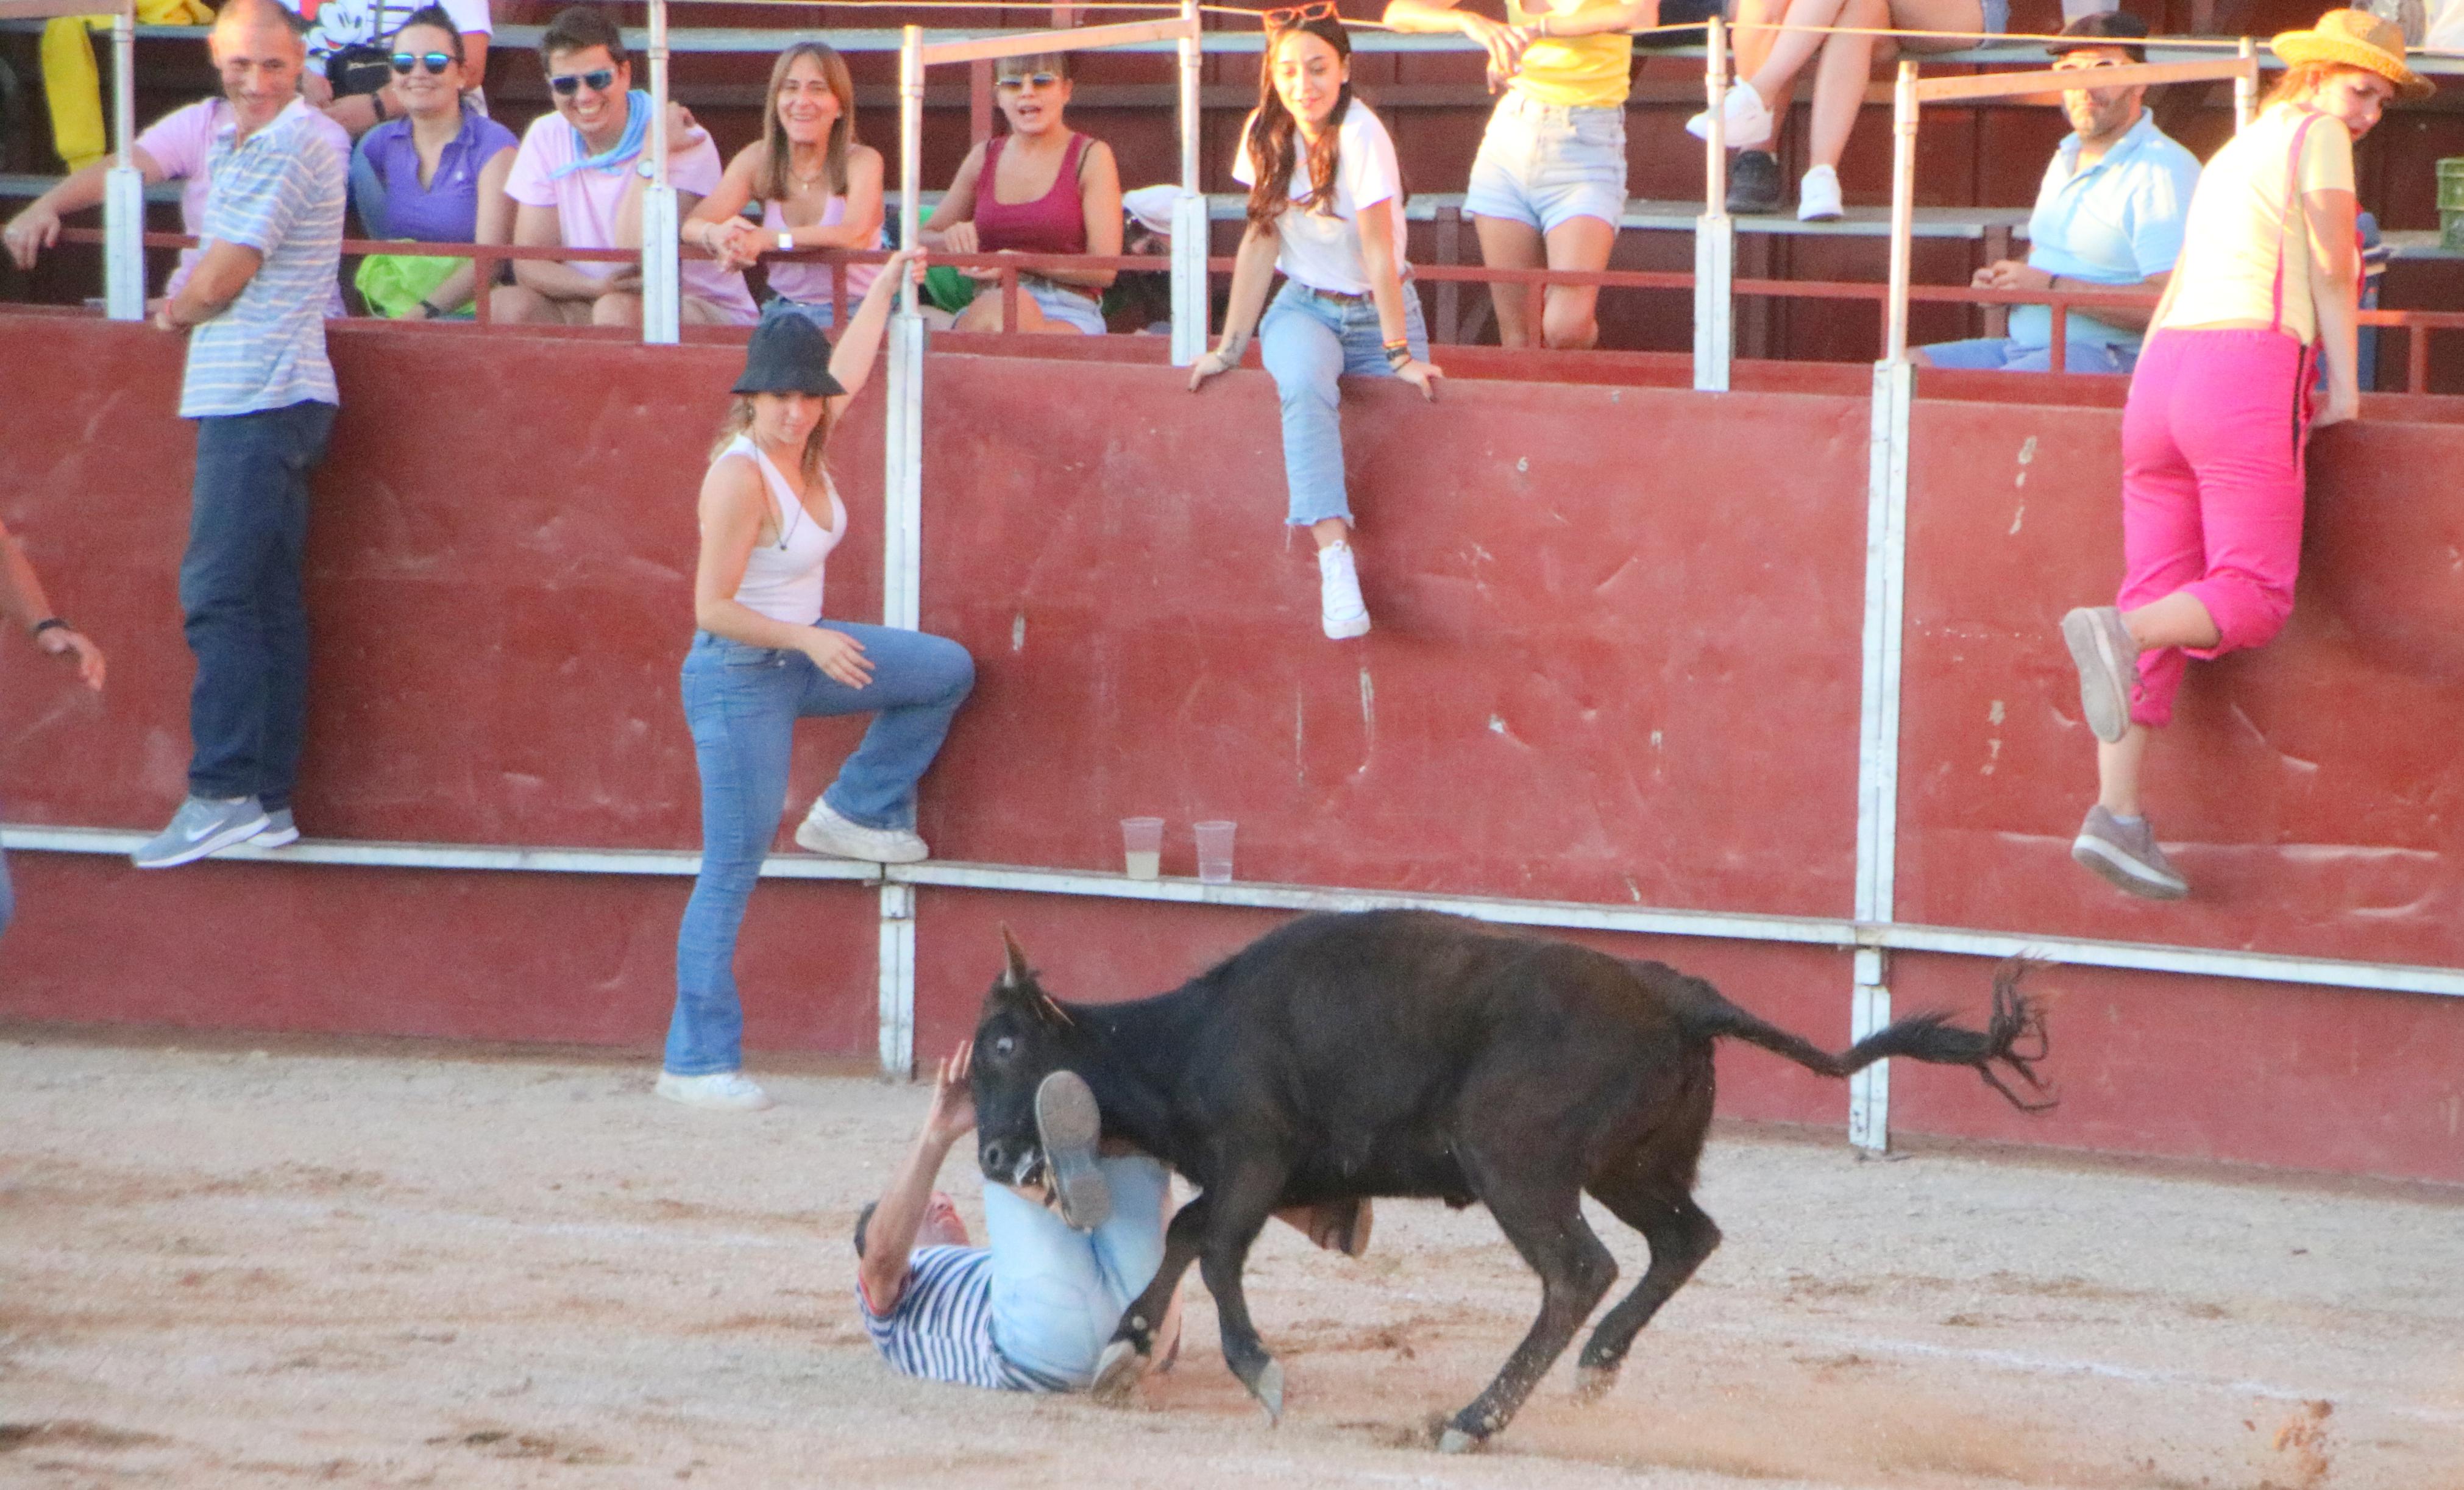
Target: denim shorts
[
  {"x": 1066, "y": 304},
  {"x": 1542, "y": 163}
]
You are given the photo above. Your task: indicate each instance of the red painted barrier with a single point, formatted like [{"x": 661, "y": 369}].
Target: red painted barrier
[{"x": 1616, "y": 660}]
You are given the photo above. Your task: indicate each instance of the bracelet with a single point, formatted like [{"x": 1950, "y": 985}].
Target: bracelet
[
  {"x": 48, "y": 623},
  {"x": 1398, "y": 353},
  {"x": 376, "y": 101},
  {"x": 429, "y": 306}
]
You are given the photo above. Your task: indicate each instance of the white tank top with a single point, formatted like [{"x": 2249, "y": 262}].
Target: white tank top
[{"x": 782, "y": 578}]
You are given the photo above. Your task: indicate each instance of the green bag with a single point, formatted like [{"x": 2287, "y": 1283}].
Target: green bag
[
  {"x": 947, "y": 287},
  {"x": 392, "y": 283}
]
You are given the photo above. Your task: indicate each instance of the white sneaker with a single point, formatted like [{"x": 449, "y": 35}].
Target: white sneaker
[
  {"x": 1340, "y": 608},
  {"x": 1745, "y": 118},
  {"x": 1818, "y": 196},
  {"x": 824, "y": 832},
  {"x": 720, "y": 1091}
]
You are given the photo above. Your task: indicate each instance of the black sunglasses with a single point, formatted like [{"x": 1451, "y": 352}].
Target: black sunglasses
[
  {"x": 426, "y": 62},
  {"x": 570, "y": 83},
  {"x": 1015, "y": 81},
  {"x": 1300, "y": 15}
]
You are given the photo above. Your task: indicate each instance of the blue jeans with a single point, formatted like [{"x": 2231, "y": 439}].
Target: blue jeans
[
  {"x": 239, "y": 591},
  {"x": 1310, "y": 340},
  {"x": 1059, "y": 1294},
  {"x": 742, "y": 703},
  {"x": 8, "y": 896},
  {"x": 2001, "y": 354}
]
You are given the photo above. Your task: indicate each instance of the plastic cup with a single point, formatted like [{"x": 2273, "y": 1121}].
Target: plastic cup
[
  {"x": 1213, "y": 853},
  {"x": 1142, "y": 846}
]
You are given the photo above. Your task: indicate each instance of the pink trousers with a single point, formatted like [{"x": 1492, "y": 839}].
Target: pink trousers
[{"x": 2212, "y": 442}]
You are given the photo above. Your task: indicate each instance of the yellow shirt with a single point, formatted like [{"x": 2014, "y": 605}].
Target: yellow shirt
[
  {"x": 2246, "y": 209},
  {"x": 1572, "y": 71}
]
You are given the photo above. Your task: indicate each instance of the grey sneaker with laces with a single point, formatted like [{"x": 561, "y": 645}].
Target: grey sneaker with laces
[
  {"x": 1068, "y": 1124},
  {"x": 203, "y": 825},
  {"x": 2107, "y": 660},
  {"x": 2124, "y": 855}
]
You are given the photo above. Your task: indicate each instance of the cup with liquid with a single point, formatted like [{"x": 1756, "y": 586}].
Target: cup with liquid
[
  {"x": 1142, "y": 846},
  {"x": 1213, "y": 853}
]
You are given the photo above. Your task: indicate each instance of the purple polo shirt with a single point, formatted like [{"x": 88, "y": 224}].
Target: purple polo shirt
[{"x": 447, "y": 209}]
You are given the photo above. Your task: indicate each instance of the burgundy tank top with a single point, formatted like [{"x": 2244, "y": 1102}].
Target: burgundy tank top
[{"x": 1053, "y": 223}]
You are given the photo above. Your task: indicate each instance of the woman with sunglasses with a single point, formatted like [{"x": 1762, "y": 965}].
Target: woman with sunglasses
[
  {"x": 817, "y": 188},
  {"x": 763, "y": 658},
  {"x": 440, "y": 169},
  {"x": 1325, "y": 206},
  {"x": 1041, "y": 188}
]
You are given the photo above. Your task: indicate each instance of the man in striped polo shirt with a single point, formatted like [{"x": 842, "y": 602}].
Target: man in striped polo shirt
[
  {"x": 262, "y": 394},
  {"x": 1033, "y": 1310}
]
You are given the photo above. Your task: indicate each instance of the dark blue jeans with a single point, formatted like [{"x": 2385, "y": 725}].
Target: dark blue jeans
[{"x": 239, "y": 591}]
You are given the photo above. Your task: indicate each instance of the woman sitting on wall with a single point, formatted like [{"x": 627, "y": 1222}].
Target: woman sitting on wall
[
  {"x": 817, "y": 188},
  {"x": 763, "y": 658},
  {"x": 1325, "y": 206},
  {"x": 2220, "y": 408},
  {"x": 1041, "y": 188},
  {"x": 440, "y": 169}
]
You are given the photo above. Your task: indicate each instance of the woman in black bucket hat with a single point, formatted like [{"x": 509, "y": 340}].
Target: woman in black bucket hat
[{"x": 763, "y": 658}]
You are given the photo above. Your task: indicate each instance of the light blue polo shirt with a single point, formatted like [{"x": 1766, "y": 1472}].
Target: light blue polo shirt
[
  {"x": 2116, "y": 223},
  {"x": 279, "y": 191}
]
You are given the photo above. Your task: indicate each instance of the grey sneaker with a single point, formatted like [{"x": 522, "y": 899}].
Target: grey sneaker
[
  {"x": 2126, "y": 857},
  {"x": 824, "y": 832},
  {"x": 1068, "y": 1124},
  {"x": 203, "y": 825},
  {"x": 2108, "y": 664},
  {"x": 279, "y": 830},
  {"x": 1755, "y": 183}
]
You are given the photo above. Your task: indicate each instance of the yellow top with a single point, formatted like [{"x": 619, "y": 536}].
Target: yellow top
[{"x": 1575, "y": 71}]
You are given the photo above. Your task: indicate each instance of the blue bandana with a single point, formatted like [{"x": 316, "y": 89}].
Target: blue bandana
[{"x": 616, "y": 157}]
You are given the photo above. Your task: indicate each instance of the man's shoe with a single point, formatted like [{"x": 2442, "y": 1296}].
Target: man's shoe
[
  {"x": 1753, "y": 183},
  {"x": 278, "y": 832},
  {"x": 203, "y": 825},
  {"x": 1818, "y": 196},
  {"x": 2125, "y": 856},
  {"x": 1341, "y": 610},
  {"x": 1746, "y": 120},
  {"x": 1068, "y": 1124},
  {"x": 825, "y": 832},
  {"x": 720, "y": 1091},
  {"x": 2108, "y": 664}
]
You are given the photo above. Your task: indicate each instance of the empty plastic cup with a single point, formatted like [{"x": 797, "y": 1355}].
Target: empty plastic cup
[
  {"x": 1213, "y": 853},
  {"x": 1142, "y": 846}
]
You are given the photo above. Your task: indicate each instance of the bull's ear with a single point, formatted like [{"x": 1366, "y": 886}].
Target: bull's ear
[{"x": 1018, "y": 976}]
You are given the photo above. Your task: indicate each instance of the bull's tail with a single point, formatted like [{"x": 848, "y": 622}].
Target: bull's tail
[{"x": 1924, "y": 1036}]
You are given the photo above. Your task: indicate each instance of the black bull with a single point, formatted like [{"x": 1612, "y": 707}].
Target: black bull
[{"x": 1404, "y": 1053}]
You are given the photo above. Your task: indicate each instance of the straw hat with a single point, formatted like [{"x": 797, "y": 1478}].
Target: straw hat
[{"x": 2354, "y": 39}]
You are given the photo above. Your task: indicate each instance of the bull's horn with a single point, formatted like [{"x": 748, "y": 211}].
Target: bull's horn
[{"x": 1018, "y": 974}]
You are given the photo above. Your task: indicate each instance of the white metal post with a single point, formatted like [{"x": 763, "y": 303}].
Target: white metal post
[
  {"x": 1877, "y": 732},
  {"x": 2246, "y": 87},
  {"x": 902, "y": 444},
  {"x": 661, "y": 310},
  {"x": 897, "y": 1017},
  {"x": 911, "y": 149},
  {"x": 1715, "y": 233},
  {"x": 1869, "y": 1090},
  {"x": 1903, "y": 208},
  {"x": 123, "y": 186},
  {"x": 1189, "y": 226}
]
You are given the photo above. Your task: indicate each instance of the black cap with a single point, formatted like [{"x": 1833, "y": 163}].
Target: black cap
[
  {"x": 788, "y": 354},
  {"x": 2103, "y": 29}
]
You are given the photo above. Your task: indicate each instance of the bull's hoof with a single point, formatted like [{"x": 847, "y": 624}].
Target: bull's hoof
[
  {"x": 1116, "y": 1372},
  {"x": 1454, "y": 1440},
  {"x": 1592, "y": 1382},
  {"x": 1268, "y": 1387}
]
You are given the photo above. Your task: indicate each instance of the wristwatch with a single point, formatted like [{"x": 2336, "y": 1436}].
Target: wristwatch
[
  {"x": 645, "y": 168},
  {"x": 786, "y": 243}
]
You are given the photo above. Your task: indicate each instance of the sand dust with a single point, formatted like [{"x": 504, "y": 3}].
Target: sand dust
[{"x": 391, "y": 1263}]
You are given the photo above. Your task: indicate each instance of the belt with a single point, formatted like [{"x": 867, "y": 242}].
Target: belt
[{"x": 1346, "y": 296}]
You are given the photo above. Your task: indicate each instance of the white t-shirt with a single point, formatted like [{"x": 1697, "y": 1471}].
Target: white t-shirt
[
  {"x": 586, "y": 201},
  {"x": 1323, "y": 252},
  {"x": 2239, "y": 221},
  {"x": 339, "y": 23}
]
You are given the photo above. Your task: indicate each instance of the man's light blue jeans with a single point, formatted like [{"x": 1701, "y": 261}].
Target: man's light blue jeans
[
  {"x": 1308, "y": 340},
  {"x": 742, "y": 703},
  {"x": 1059, "y": 1294}
]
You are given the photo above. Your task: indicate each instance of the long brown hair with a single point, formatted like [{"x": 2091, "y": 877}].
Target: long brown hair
[
  {"x": 1271, "y": 129},
  {"x": 739, "y": 420},
  {"x": 771, "y": 184}
]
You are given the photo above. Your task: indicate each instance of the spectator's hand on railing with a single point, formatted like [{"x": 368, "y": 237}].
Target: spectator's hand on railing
[
  {"x": 734, "y": 243},
  {"x": 1503, "y": 43},
  {"x": 1209, "y": 363},
  {"x": 2339, "y": 405},
  {"x": 682, "y": 134},
  {"x": 30, "y": 233},
  {"x": 1422, "y": 376},
  {"x": 2010, "y": 275},
  {"x": 982, "y": 275},
  {"x": 62, "y": 642}
]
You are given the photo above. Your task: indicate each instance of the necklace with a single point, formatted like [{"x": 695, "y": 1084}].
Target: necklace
[{"x": 805, "y": 181}]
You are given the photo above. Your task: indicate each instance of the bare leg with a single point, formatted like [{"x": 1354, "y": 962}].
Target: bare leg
[
  {"x": 2117, "y": 771},
  {"x": 984, "y": 312},
  {"x": 1791, "y": 49},
  {"x": 616, "y": 308},
  {"x": 1329, "y": 530},
  {"x": 1570, "y": 319},
  {"x": 518, "y": 305},
  {"x": 1507, "y": 243},
  {"x": 1839, "y": 80}
]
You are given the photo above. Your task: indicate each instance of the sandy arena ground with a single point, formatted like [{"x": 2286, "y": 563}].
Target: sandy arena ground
[{"x": 398, "y": 1265}]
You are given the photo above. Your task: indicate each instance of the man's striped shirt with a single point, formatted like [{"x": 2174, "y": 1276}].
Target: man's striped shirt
[
  {"x": 941, "y": 1327},
  {"x": 279, "y": 191}
]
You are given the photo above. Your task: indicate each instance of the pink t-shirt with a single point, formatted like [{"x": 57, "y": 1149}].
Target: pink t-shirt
[
  {"x": 585, "y": 203},
  {"x": 178, "y": 142}
]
